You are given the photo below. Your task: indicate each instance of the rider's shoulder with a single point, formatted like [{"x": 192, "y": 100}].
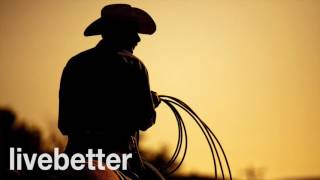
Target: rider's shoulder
[
  {"x": 130, "y": 59},
  {"x": 82, "y": 56}
]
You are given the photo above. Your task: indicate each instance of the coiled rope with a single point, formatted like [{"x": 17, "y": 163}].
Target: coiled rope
[{"x": 182, "y": 143}]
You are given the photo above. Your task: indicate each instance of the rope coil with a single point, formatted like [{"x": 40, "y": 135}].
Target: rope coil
[{"x": 211, "y": 138}]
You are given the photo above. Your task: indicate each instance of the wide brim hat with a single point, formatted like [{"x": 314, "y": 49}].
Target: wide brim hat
[{"x": 121, "y": 15}]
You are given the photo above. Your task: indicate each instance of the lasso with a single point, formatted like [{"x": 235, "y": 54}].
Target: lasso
[{"x": 211, "y": 139}]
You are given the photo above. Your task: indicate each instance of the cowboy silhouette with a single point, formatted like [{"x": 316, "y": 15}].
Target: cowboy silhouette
[{"x": 105, "y": 96}]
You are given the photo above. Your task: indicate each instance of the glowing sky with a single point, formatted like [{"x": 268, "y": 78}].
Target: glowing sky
[{"x": 251, "y": 69}]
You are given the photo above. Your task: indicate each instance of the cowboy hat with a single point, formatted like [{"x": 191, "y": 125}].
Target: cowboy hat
[{"x": 120, "y": 15}]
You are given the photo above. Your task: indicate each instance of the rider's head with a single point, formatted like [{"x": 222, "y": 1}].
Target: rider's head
[
  {"x": 120, "y": 24},
  {"x": 123, "y": 37}
]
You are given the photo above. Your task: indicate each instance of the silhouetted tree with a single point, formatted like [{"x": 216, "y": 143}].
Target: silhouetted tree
[{"x": 13, "y": 134}]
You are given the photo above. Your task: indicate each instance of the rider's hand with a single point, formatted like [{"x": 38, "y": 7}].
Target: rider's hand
[{"x": 155, "y": 98}]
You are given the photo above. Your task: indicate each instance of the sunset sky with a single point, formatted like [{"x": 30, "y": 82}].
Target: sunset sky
[{"x": 249, "y": 68}]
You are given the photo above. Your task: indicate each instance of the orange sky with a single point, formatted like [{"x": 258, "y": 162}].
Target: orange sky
[{"x": 249, "y": 68}]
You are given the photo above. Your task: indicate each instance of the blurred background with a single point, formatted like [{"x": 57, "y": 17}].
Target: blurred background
[{"x": 249, "y": 68}]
